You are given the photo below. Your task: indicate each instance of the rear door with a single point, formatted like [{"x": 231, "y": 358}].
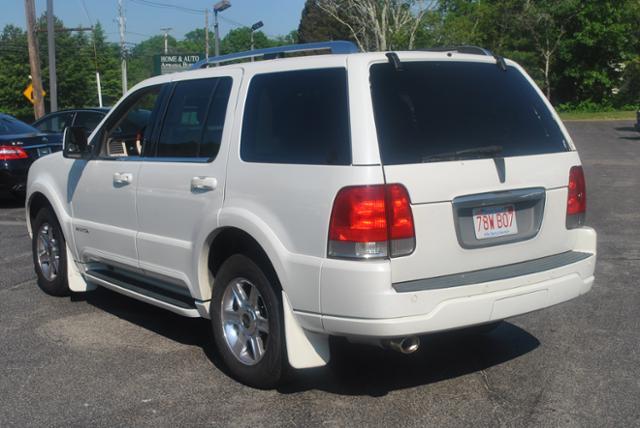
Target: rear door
[
  {"x": 484, "y": 161},
  {"x": 182, "y": 179}
]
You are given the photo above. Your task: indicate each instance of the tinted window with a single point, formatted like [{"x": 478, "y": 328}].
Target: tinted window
[
  {"x": 88, "y": 119},
  {"x": 128, "y": 129},
  {"x": 432, "y": 108},
  {"x": 299, "y": 117},
  {"x": 194, "y": 120},
  {"x": 55, "y": 123},
  {"x": 10, "y": 125}
]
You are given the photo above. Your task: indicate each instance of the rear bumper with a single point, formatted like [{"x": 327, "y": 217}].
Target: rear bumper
[
  {"x": 13, "y": 177},
  {"x": 360, "y": 300},
  {"x": 466, "y": 311}
]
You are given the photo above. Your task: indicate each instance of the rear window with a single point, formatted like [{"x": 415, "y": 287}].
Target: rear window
[
  {"x": 431, "y": 110},
  {"x": 10, "y": 125},
  {"x": 297, "y": 117}
]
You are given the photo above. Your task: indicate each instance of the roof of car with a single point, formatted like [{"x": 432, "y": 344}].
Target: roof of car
[{"x": 100, "y": 109}]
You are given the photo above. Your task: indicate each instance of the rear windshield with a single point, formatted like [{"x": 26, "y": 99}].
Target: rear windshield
[
  {"x": 9, "y": 126},
  {"x": 429, "y": 111}
]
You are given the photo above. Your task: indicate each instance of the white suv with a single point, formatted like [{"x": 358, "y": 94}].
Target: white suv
[{"x": 371, "y": 196}]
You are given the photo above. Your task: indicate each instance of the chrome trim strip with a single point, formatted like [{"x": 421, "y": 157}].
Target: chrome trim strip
[
  {"x": 498, "y": 198},
  {"x": 191, "y": 313},
  {"x": 492, "y": 274}
]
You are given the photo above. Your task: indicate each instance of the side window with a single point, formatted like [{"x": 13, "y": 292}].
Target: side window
[
  {"x": 193, "y": 124},
  {"x": 299, "y": 117},
  {"x": 88, "y": 119},
  {"x": 127, "y": 132},
  {"x": 55, "y": 123}
]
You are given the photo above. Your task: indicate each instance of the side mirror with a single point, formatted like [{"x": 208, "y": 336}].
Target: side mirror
[{"x": 74, "y": 143}]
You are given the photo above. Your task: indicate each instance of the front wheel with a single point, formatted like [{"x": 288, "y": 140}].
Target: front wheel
[
  {"x": 49, "y": 254},
  {"x": 246, "y": 316}
]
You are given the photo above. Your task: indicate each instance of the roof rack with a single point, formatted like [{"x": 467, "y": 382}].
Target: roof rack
[
  {"x": 335, "y": 47},
  {"x": 473, "y": 50}
]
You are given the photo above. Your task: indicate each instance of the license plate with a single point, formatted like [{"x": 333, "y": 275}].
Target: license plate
[
  {"x": 492, "y": 222},
  {"x": 43, "y": 151}
]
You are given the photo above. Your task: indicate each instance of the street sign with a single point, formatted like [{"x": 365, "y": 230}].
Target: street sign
[
  {"x": 28, "y": 93},
  {"x": 163, "y": 64}
]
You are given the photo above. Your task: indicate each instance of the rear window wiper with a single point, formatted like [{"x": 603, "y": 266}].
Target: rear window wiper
[{"x": 489, "y": 151}]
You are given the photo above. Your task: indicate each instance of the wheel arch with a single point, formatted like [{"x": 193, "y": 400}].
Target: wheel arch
[{"x": 224, "y": 242}]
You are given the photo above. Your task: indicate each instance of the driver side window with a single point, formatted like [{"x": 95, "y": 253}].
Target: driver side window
[{"x": 129, "y": 129}]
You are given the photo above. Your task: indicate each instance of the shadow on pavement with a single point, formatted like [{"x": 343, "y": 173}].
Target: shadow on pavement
[
  {"x": 354, "y": 369},
  {"x": 368, "y": 370},
  {"x": 625, "y": 128}
]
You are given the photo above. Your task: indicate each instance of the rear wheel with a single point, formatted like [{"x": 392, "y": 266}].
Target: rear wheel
[
  {"x": 49, "y": 254},
  {"x": 246, "y": 316}
]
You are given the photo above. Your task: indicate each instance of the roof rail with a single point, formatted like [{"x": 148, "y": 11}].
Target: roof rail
[
  {"x": 335, "y": 47},
  {"x": 473, "y": 50}
]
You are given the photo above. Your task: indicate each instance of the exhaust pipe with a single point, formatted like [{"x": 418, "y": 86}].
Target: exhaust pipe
[{"x": 404, "y": 345}]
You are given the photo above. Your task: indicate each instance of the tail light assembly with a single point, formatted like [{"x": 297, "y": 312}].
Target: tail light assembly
[
  {"x": 371, "y": 222},
  {"x": 576, "y": 198},
  {"x": 12, "y": 153}
]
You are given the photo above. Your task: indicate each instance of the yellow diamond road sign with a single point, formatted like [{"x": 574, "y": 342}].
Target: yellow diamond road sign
[{"x": 28, "y": 93}]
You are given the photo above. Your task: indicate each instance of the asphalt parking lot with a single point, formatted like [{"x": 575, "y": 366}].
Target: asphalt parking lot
[{"x": 103, "y": 359}]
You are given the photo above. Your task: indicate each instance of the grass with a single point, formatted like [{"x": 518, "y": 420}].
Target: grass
[{"x": 604, "y": 115}]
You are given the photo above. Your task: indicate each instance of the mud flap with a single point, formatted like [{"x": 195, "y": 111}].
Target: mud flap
[
  {"x": 305, "y": 349},
  {"x": 75, "y": 280}
]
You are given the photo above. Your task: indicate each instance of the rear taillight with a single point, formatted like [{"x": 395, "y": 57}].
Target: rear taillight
[
  {"x": 371, "y": 222},
  {"x": 576, "y": 198},
  {"x": 12, "y": 153}
]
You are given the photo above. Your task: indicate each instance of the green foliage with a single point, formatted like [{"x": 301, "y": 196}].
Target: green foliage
[
  {"x": 239, "y": 40},
  {"x": 595, "y": 67},
  {"x": 317, "y": 26},
  {"x": 595, "y": 64}
]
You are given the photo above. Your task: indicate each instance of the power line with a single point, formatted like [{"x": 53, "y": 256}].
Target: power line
[{"x": 161, "y": 5}]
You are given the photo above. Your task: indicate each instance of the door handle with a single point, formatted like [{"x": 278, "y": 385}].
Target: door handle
[
  {"x": 203, "y": 184},
  {"x": 122, "y": 178}
]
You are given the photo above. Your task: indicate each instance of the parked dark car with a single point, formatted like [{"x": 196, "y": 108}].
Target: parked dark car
[
  {"x": 20, "y": 145},
  {"x": 54, "y": 123}
]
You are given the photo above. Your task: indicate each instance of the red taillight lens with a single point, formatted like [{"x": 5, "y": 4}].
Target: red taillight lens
[
  {"x": 576, "y": 198},
  {"x": 12, "y": 153},
  {"x": 366, "y": 219}
]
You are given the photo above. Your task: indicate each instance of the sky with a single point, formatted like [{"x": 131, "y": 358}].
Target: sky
[{"x": 145, "y": 18}]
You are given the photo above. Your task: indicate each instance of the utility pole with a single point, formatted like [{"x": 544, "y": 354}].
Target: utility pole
[
  {"x": 121, "y": 24},
  {"x": 206, "y": 33},
  {"x": 51, "y": 49},
  {"x": 34, "y": 59},
  {"x": 166, "y": 35}
]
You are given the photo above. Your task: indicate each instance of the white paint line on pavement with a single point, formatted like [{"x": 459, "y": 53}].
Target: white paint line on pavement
[{"x": 12, "y": 223}]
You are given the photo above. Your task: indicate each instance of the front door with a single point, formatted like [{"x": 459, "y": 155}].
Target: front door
[
  {"x": 103, "y": 188},
  {"x": 181, "y": 183}
]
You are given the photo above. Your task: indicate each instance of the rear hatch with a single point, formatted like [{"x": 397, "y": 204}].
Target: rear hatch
[{"x": 484, "y": 161}]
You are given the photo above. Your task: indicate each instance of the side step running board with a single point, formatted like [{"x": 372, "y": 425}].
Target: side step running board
[{"x": 156, "y": 296}]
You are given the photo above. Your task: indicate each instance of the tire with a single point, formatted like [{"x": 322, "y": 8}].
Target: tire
[
  {"x": 248, "y": 328},
  {"x": 49, "y": 254}
]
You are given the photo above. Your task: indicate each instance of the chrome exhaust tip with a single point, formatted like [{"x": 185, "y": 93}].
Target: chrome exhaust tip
[{"x": 404, "y": 345}]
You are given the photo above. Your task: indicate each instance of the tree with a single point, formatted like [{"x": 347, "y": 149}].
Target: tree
[
  {"x": 546, "y": 22},
  {"x": 14, "y": 73},
  {"x": 379, "y": 24},
  {"x": 239, "y": 40},
  {"x": 318, "y": 26}
]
